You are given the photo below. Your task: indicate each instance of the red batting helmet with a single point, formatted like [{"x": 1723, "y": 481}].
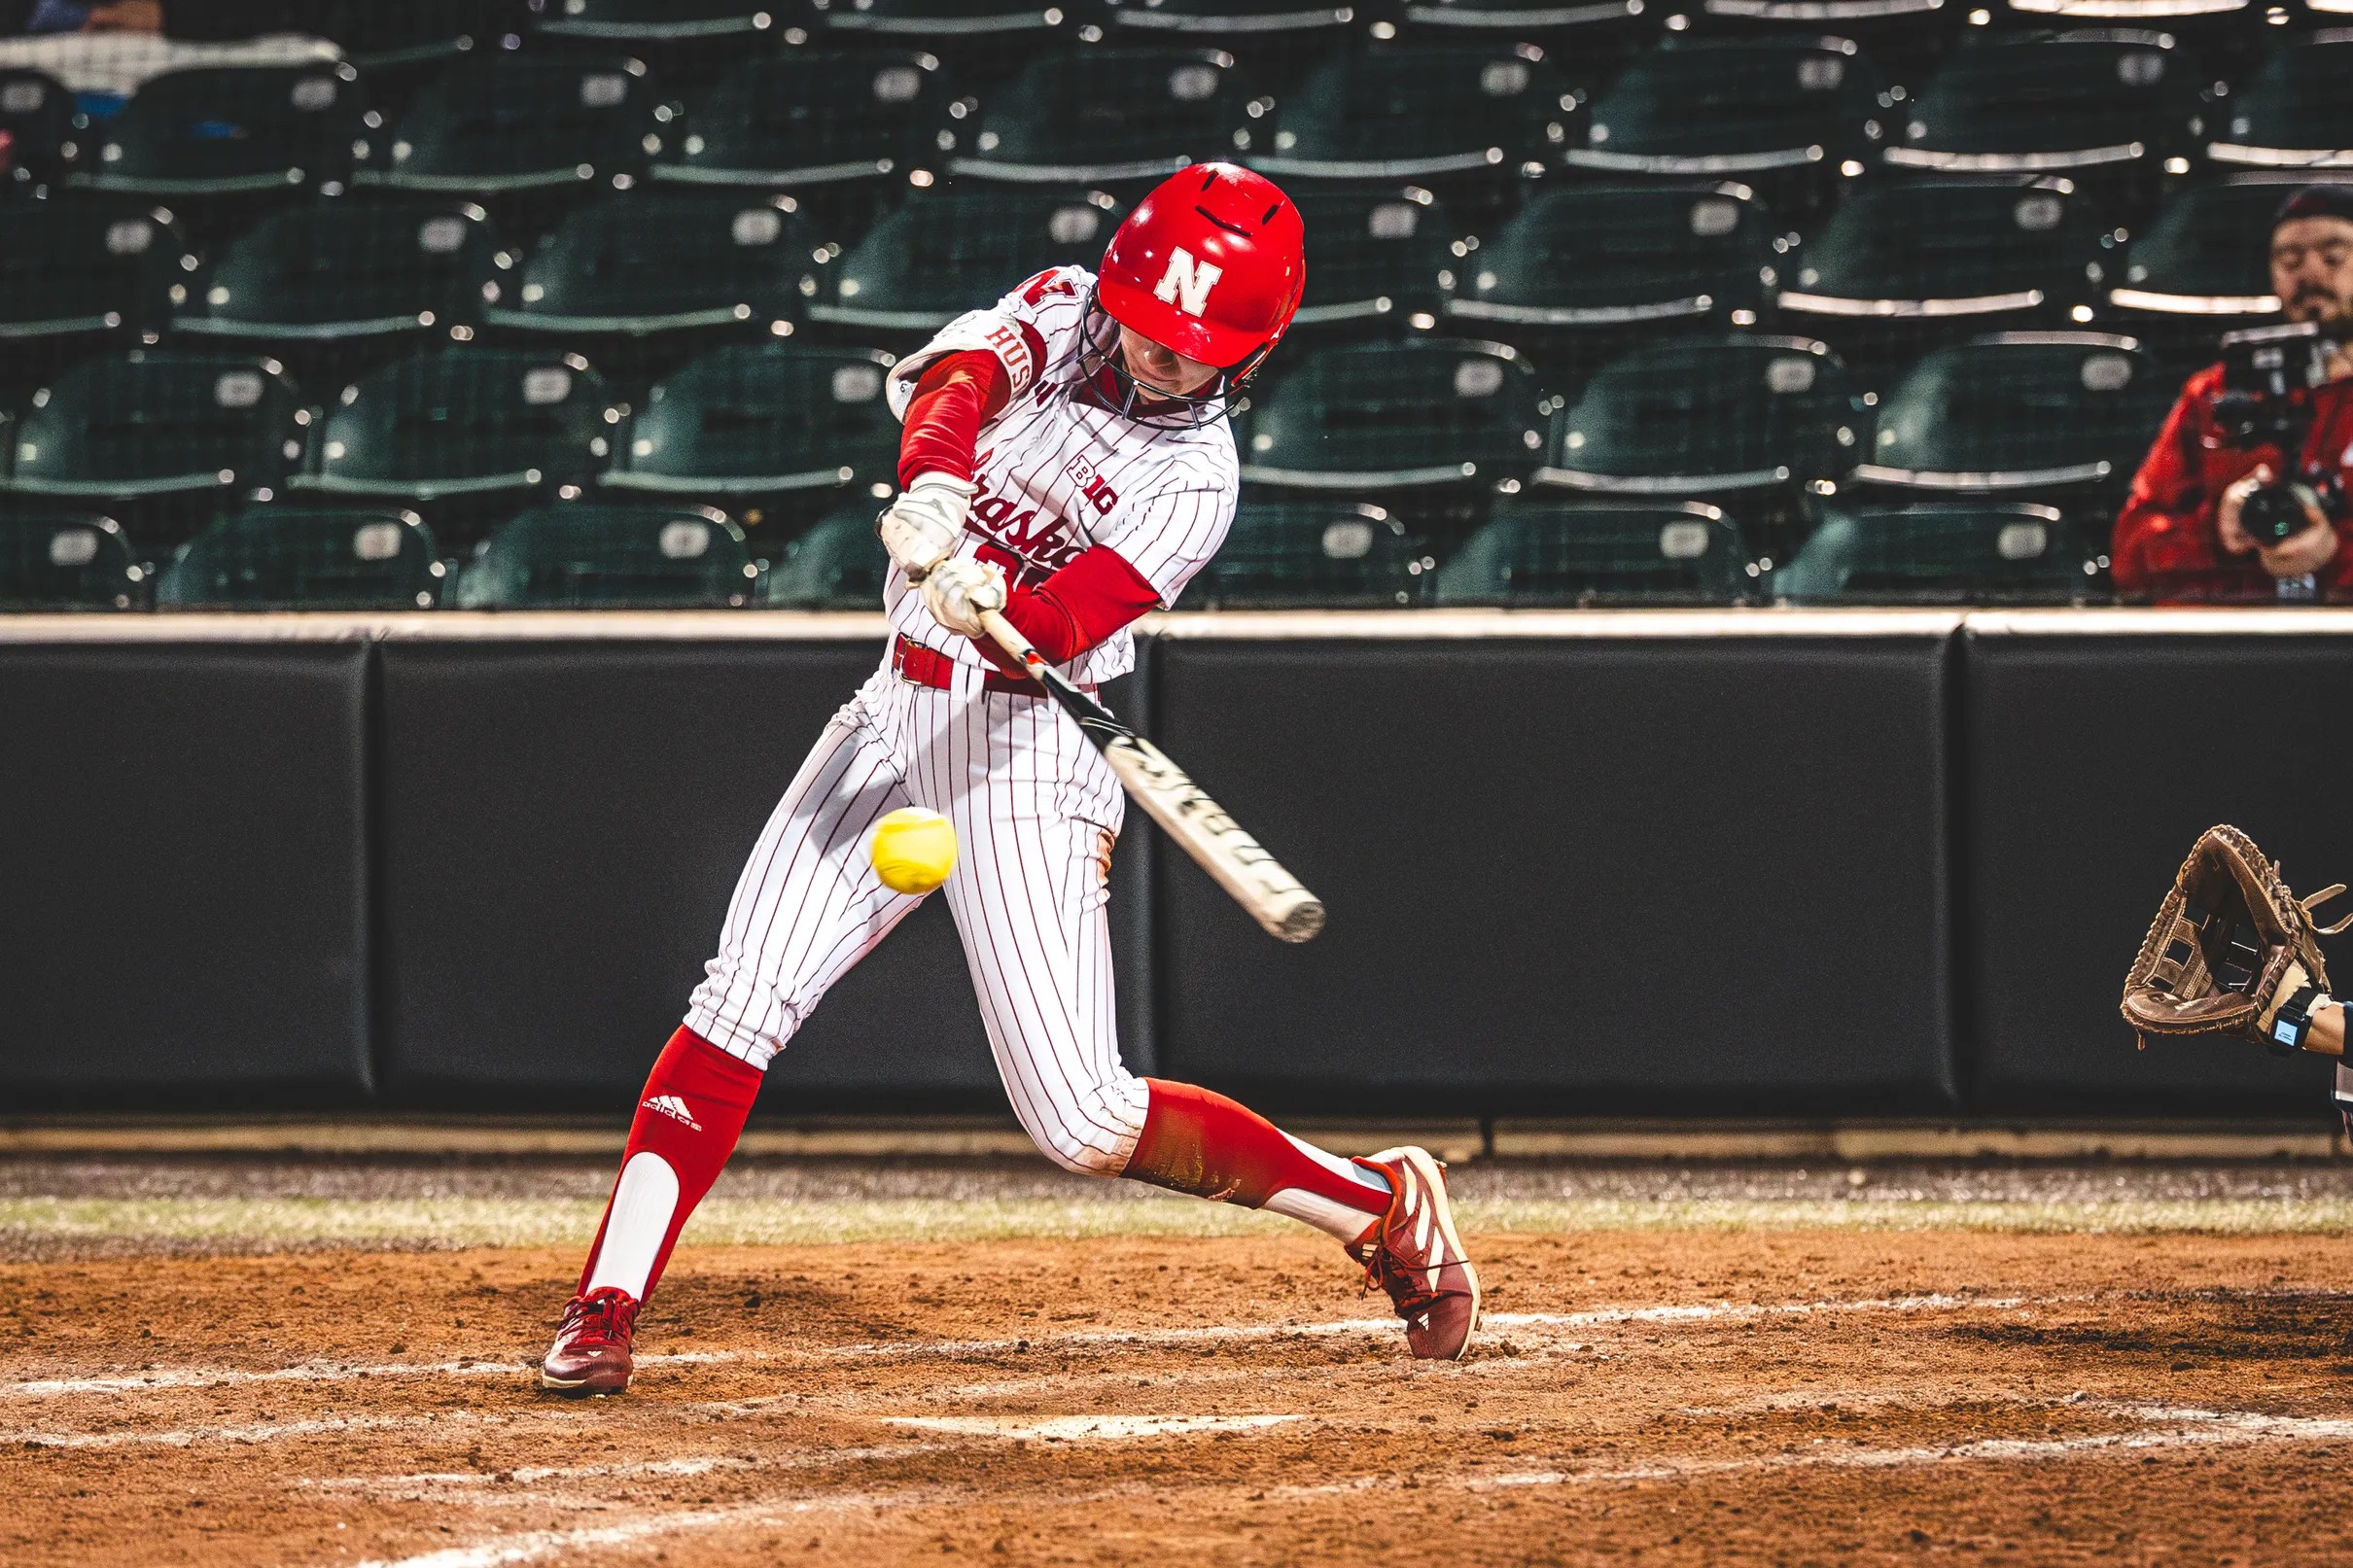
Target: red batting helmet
[{"x": 1211, "y": 265}]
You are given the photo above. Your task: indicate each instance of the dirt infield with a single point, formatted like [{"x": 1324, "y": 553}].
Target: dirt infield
[{"x": 1662, "y": 1396}]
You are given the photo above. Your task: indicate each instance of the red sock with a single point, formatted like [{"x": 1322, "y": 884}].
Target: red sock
[
  {"x": 687, "y": 1122},
  {"x": 1196, "y": 1140}
]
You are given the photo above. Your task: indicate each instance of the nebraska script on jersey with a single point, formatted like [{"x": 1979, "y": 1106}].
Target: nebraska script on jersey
[{"x": 1057, "y": 471}]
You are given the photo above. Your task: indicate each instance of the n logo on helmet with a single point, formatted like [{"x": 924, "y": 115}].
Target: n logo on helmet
[{"x": 1187, "y": 283}]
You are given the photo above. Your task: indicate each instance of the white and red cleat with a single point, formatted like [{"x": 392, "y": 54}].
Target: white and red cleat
[
  {"x": 1414, "y": 1255},
  {"x": 591, "y": 1351}
]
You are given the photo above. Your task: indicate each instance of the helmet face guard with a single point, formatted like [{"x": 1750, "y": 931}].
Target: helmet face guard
[
  {"x": 1105, "y": 368},
  {"x": 1209, "y": 265}
]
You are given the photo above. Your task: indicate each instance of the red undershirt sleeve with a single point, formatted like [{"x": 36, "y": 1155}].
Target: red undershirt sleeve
[
  {"x": 1076, "y": 607},
  {"x": 955, "y": 395}
]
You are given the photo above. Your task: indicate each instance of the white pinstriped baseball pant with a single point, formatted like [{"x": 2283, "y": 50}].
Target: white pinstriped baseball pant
[{"x": 1035, "y": 810}]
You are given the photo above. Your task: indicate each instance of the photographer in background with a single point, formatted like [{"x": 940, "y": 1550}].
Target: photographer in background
[{"x": 2195, "y": 527}]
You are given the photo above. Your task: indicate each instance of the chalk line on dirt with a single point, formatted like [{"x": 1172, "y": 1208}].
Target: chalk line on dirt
[
  {"x": 1085, "y": 1428},
  {"x": 418, "y": 1484},
  {"x": 188, "y": 1436},
  {"x": 169, "y": 1379},
  {"x": 2168, "y": 1427},
  {"x": 531, "y": 1545}
]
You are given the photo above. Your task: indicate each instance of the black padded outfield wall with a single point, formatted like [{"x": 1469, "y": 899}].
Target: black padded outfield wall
[
  {"x": 2094, "y": 761},
  {"x": 1571, "y": 874},
  {"x": 1773, "y": 863},
  {"x": 183, "y": 874},
  {"x": 562, "y": 825}
]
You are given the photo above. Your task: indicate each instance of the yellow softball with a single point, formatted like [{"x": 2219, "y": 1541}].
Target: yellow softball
[{"x": 913, "y": 850}]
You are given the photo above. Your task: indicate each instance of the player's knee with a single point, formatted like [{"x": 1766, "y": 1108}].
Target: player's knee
[{"x": 1077, "y": 1155}]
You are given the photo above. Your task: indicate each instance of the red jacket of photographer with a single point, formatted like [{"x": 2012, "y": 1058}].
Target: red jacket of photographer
[{"x": 2166, "y": 548}]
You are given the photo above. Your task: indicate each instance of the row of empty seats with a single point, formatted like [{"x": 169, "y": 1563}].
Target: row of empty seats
[
  {"x": 1582, "y": 269},
  {"x": 1716, "y": 418},
  {"x": 1800, "y": 112},
  {"x": 1280, "y": 554}
]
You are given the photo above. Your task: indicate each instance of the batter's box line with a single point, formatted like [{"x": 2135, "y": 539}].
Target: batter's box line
[
  {"x": 2193, "y": 1428},
  {"x": 173, "y": 1379},
  {"x": 2188, "y": 1429}
]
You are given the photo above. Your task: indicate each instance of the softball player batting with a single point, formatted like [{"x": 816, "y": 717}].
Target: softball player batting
[{"x": 1065, "y": 463}]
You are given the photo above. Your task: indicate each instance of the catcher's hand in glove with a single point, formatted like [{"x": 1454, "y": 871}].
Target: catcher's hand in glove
[
  {"x": 956, "y": 591},
  {"x": 2233, "y": 950},
  {"x": 921, "y": 525}
]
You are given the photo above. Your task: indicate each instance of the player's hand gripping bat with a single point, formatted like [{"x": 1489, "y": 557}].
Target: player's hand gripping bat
[{"x": 1241, "y": 864}]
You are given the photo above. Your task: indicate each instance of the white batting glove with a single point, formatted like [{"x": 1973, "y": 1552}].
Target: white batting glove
[
  {"x": 958, "y": 591},
  {"x": 921, "y": 525}
]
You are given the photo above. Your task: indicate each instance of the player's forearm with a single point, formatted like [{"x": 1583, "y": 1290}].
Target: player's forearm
[
  {"x": 953, "y": 397},
  {"x": 2327, "y": 1035},
  {"x": 1081, "y": 605}
]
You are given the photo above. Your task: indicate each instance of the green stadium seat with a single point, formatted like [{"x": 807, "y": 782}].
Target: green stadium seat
[
  {"x": 1384, "y": 417},
  {"x": 1298, "y": 553},
  {"x": 1583, "y": 30},
  {"x": 287, "y": 558},
  {"x": 2201, "y": 266},
  {"x": 2020, "y": 411},
  {"x": 742, "y": 23},
  {"x": 1905, "y": 266},
  {"x": 971, "y": 28},
  {"x": 2227, "y": 39},
  {"x": 759, "y": 419},
  {"x": 838, "y": 564},
  {"x": 2295, "y": 113},
  {"x": 158, "y": 422},
  {"x": 1270, "y": 30},
  {"x": 1801, "y": 108},
  {"x": 231, "y": 129},
  {"x": 1589, "y": 265},
  {"x": 944, "y": 250},
  {"x": 1375, "y": 254},
  {"x": 2035, "y": 104},
  {"x": 1451, "y": 111},
  {"x": 507, "y": 121},
  {"x": 818, "y": 116},
  {"x": 1093, "y": 116},
  {"x": 1940, "y": 552},
  {"x": 342, "y": 269},
  {"x": 1708, "y": 417},
  {"x": 37, "y": 117},
  {"x": 666, "y": 261},
  {"x": 380, "y": 38},
  {"x": 597, "y": 557},
  {"x": 67, "y": 561},
  {"x": 1539, "y": 551},
  {"x": 464, "y": 420},
  {"x": 87, "y": 268}
]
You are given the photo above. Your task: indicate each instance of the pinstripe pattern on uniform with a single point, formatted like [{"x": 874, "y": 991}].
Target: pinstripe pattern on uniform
[
  {"x": 1032, "y": 803},
  {"x": 1175, "y": 487}
]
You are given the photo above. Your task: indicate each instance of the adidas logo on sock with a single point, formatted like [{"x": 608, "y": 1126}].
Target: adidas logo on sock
[{"x": 672, "y": 1106}]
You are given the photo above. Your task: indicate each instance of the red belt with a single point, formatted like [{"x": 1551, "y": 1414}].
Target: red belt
[{"x": 929, "y": 667}]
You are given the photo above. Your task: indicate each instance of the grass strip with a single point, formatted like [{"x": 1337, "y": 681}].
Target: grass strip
[{"x": 42, "y": 1224}]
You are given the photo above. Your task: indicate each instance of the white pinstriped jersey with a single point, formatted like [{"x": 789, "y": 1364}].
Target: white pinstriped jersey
[{"x": 1058, "y": 473}]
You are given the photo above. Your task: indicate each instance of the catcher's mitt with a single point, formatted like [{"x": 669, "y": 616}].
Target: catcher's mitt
[{"x": 2231, "y": 951}]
